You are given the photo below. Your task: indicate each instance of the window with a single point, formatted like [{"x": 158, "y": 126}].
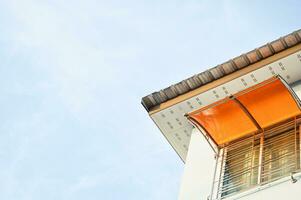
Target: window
[
  {"x": 257, "y": 160},
  {"x": 240, "y": 167},
  {"x": 280, "y": 157}
]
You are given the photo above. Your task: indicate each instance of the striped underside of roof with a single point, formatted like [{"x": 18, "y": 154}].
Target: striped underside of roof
[{"x": 235, "y": 64}]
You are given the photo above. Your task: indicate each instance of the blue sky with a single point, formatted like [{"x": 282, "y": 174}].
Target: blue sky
[{"x": 72, "y": 74}]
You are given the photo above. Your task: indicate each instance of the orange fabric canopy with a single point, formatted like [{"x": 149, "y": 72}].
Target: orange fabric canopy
[{"x": 251, "y": 110}]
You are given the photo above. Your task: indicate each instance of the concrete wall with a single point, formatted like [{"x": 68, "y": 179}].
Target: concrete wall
[{"x": 199, "y": 169}]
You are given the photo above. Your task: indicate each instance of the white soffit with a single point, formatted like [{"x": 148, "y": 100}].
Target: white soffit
[{"x": 174, "y": 125}]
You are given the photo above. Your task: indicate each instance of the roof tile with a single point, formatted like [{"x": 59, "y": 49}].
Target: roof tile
[
  {"x": 277, "y": 46},
  {"x": 219, "y": 71},
  {"x": 240, "y": 62},
  {"x": 265, "y": 51},
  {"x": 170, "y": 92},
  {"x": 205, "y": 77},
  {"x": 290, "y": 40},
  {"x": 181, "y": 87},
  {"x": 228, "y": 67},
  {"x": 193, "y": 82},
  {"x": 253, "y": 56}
]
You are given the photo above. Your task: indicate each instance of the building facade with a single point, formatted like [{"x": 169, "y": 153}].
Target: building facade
[{"x": 237, "y": 126}]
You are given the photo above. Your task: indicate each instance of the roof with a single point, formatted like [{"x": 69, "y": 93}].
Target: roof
[{"x": 156, "y": 98}]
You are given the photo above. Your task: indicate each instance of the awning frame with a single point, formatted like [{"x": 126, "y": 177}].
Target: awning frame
[{"x": 213, "y": 144}]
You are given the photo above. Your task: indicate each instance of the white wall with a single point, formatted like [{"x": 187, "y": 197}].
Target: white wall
[
  {"x": 284, "y": 190},
  {"x": 199, "y": 169}
]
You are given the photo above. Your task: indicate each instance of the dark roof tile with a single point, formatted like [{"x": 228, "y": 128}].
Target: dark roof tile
[
  {"x": 205, "y": 77},
  {"x": 228, "y": 67},
  {"x": 241, "y": 61}
]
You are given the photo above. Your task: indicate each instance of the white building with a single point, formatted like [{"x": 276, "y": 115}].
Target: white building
[{"x": 237, "y": 126}]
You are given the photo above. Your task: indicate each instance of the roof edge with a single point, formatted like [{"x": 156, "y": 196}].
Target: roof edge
[{"x": 152, "y": 101}]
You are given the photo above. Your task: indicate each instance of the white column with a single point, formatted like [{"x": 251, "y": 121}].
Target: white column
[{"x": 199, "y": 167}]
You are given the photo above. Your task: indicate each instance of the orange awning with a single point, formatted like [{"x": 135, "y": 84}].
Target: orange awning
[{"x": 246, "y": 112}]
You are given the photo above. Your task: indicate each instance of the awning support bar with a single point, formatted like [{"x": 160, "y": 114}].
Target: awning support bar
[
  {"x": 247, "y": 113},
  {"x": 203, "y": 132}
]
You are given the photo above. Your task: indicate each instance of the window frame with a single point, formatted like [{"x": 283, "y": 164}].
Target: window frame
[{"x": 258, "y": 143}]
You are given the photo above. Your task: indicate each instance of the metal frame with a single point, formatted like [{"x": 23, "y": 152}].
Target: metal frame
[
  {"x": 292, "y": 126},
  {"x": 292, "y": 92},
  {"x": 260, "y": 158},
  {"x": 206, "y": 135}
]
